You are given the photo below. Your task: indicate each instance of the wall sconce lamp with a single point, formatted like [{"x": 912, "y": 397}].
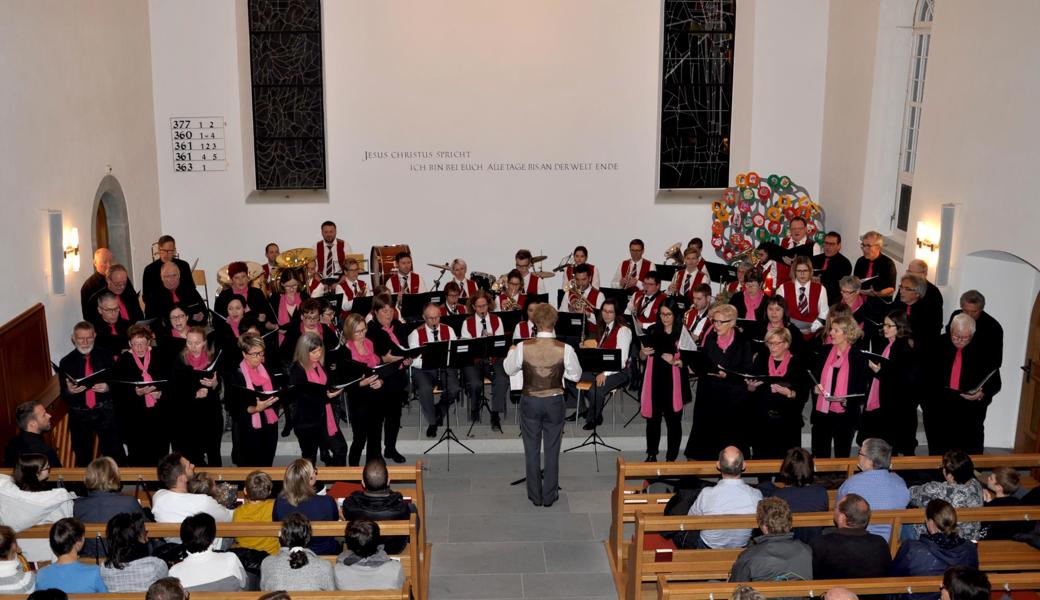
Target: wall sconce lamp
[
  {"x": 71, "y": 252},
  {"x": 924, "y": 240}
]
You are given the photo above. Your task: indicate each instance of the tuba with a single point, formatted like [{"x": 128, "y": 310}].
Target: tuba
[{"x": 673, "y": 255}]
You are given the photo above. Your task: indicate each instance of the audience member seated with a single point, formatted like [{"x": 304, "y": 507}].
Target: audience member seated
[
  {"x": 379, "y": 503},
  {"x": 203, "y": 569},
  {"x": 1002, "y": 486},
  {"x": 298, "y": 496},
  {"x": 26, "y": 499},
  {"x": 960, "y": 489},
  {"x": 33, "y": 421},
  {"x": 938, "y": 549},
  {"x": 176, "y": 503},
  {"x": 295, "y": 568},
  {"x": 365, "y": 564},
  {"x": 798, "y": 490},
  {"x": 14, "y": 578},
  {"x": 730, "y": 496},
  {"x": 881, "y": 488},
  {"x": 103, "y": 500},
  {"x": 965, "y": 583},
  {"x": 167, "y": 588},
  {"x": 129, "y": 565},
  {"x": 840, "y": 593},
  {"x": 775, "y": 555},
  {"x": 744, "y": 592},
  {"x": 850, "y": 551},
  {"x": 67, "y": 573},
  {"x": 258, "y": 508}
]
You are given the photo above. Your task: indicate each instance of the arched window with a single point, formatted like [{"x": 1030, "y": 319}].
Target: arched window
[{"x": 912, "y": 112}]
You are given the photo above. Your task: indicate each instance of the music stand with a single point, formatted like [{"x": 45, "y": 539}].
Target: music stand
[
  {"x": 570, "y": 325},
  {"x": 597, "y": 360},
  {"x": 335, "y": 301},
  {"x": 437, "y": 355},
  {"x": 540, "y": 298},
  {"x": 464, "y": 352},
  {"x": 720, "y": 272},
  {"x": 455, "y": 322},
  {"x": 362, "y": 305},
  {"x": 667, "y": 272},
  {"x": 510, "y": 319},
  {"x": 412, "y": 304}
]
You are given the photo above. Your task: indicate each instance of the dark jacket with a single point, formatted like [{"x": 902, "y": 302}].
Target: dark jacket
[
  {"x": 316, "y": 508},
  {"x": 837, "y": 267},
  {"x": 74, "y": 363},
  {"x": 390, "y": 506},
  {"x": 1004, "y": 530},
  {"x": 932, "y": 554},
  {"x": 801, "y": 499},
  {"x": 99, "y": 507},
  {"x": 774, "y": 557},
  {"x": 29, "y": 443},
  {"x": 884, "y": 271},
  {"x": 850, "y": 553},
  {"x": 988, "y": 333}
]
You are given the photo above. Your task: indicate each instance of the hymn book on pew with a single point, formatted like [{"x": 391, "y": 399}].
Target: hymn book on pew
[{"x": 91, "y": 380}]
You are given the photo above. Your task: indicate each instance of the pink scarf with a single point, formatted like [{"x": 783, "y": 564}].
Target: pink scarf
[
  {"x": 724, "y": 342},
  {"x": 842, "y": 386},
  {"x": 149, "y": 399},
  {"x": 369, "y": 358},
  {"x": 177, "y": 334},
  {"x": 858, "y": 303},
  {"x": 389, "y": 329},
  {"x": 779, "y": 370},
  {"x": 198, "y": 363},
  {"x": 264, "y": 380},
  {"x": 234, "y": 326},
  {"x": 317, "y": 375},
  {"x": 283, "y": 312},
  {"x": 751, "y": 305},
  {"x": 646, "y": 404},
  {"x": 874, "y": 398},
  {"x": 122, "y": 309}
]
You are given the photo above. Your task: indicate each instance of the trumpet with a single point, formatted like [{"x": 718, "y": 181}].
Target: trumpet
[
  {"x": 500, "y": 287},
  {"x": 576, "y": 302},
  {"x": 673, "y": 255}
]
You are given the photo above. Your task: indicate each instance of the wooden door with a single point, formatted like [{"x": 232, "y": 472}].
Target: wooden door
[
  {"x": 101, "y": 226},
  {"x": 1027, "y": 438}
]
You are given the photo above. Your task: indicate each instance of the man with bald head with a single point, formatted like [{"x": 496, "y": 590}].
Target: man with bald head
[
  {"x": 175, "y": 293},
  {"x": 118, "y": 282},
  {"x": 963, "y": 379},
  {"x": 95, "y": 283},
  {"x": 151, "y": 281},
  {"x": 840, "y": 593},
  {"x": 730, "y": 496},
  {"x": 850, "y": 551},
  {"x": 988, "y": 331},
  {"x": 933, "y": 296}
]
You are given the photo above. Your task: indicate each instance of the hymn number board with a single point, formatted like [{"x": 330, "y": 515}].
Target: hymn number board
[{"x": 198, "y": 144}]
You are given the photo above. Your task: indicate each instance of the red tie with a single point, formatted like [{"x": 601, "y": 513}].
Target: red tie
[
  {"x": 175, "y": 298},
  {"x": 955, "y": 371},
  {"x": 908, "y": 312},
  {"x": 870, "y": 269},
  {"x": 113, "y": 327},
  {"x": 87, "y": 371},
  {"x": 826, "y": 261},
  {"x": 122, "y": 309}
]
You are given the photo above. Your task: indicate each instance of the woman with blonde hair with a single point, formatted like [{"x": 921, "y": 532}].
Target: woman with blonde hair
[
  {"x": 365, "y": 402},
  {"x": 841, "y": 383},
  {"x": 314, "y": 419},
  {"x": 298, "y": 495},
  {"x": 255, "y": 417},
  {"x": 103, "y": 501}
]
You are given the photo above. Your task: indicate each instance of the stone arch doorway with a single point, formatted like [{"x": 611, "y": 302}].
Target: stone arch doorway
[{"x": 111, "y": 227}]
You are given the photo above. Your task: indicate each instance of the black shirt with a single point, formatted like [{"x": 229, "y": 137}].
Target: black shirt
[
  {"x": 29, "y": 443},
  {"x": 74, "y": 363},
  {"x": 850, "y": 554},
  {"x": 151, "y": 281},
  {"x": 884, "y": 272},
  {"x": 94, "y": 284},
  {"x": 837, "y": 267}
]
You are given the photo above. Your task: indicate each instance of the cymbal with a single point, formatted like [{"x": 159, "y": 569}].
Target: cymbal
[
  {"x": 540, "y": 258},
  {"x": 443, "y": 267},
  {"x": 295, "y": 258},
  {"x": 544, "y": 274},
  {"x": 254, "y": 271}
]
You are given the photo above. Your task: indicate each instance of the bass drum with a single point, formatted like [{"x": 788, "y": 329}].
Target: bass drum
[{"x": 382, "y": 264}]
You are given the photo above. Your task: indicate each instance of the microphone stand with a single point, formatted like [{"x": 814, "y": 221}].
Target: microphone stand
[{"x": 437, "y": 282}]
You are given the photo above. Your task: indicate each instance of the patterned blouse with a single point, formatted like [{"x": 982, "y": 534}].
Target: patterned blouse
[{"x": 960, "y": 495}]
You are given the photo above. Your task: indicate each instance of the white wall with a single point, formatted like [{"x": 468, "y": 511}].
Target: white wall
[
  {"x": 539, "y": 81},
  {"x": 977, "y": 150},
  {"x": 76, "y": 102}
]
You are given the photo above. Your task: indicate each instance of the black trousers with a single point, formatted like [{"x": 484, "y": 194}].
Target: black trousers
[
  {"x": 425, "y": 379},
  {"x": 314, "y": 437},
  {"x": 366, "y": 426},
  {"x": 255, "y": 447},
  {"x": 541, "y": 423},
  {"x": 474, "y": 376},
  {"x": 673, "y": 420},
  {"x": 834, "y": 428},
  {"x": 955, "y": 424},
  {"x": 391, "y": 405},
  {"x": 84, "y": 423}
]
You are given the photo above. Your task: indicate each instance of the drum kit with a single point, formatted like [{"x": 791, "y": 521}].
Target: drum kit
[{"x": 383, "y": 258}]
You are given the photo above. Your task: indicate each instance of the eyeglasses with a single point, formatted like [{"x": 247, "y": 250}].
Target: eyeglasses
[
  {"x": 178, "y": 317},
  {"x": 868, "y": 245},
  {"x": 256, "y": 354},
  {"x": 888, "y": 324},
  {"x": 721, "y": 322}
]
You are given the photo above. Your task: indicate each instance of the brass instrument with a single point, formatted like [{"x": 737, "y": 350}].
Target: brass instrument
[
  {"x": 576, "y": 302},
  {"x": 500, "y": 287},
  {"x": 673, "y": 255},
  {"x": 297, "y": 258}
]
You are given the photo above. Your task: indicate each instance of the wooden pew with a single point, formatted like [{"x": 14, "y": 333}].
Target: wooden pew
[
  {"x": 398, "y": 594},
  {"x": 627, "y": 498},
  {"x": 403, "y": 474},
  {"x": 642, "y": 567},
  {"x": 411, "y": 560},
  {"x": 667, "y": 590}
]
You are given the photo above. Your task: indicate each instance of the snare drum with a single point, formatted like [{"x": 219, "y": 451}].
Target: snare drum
[{"x": 382, "y": 264}]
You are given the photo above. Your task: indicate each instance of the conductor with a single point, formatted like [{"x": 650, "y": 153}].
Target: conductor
[{"x": 545, "y": 362}]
